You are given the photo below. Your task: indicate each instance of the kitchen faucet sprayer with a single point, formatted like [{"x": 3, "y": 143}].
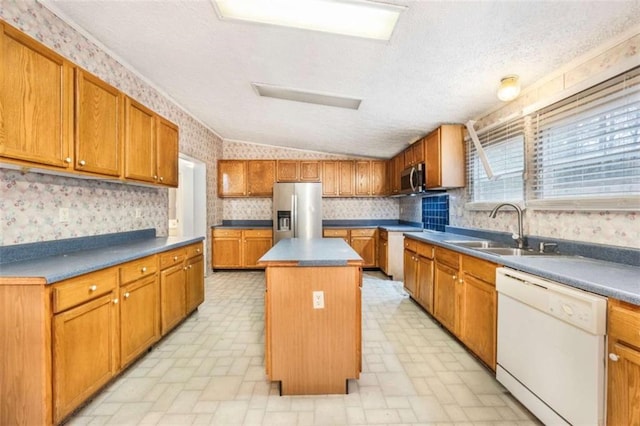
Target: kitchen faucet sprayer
[{"x": 520, "y": 236}]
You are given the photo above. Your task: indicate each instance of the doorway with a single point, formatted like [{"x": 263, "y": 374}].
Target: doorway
[{"x": 188, "y": 202}]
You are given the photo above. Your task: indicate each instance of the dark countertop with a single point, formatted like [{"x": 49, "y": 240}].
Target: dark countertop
[
  {"x": 313, "y": 252},
  {"x": 609, "y": 279},
  {"x": 62, "y": 266}
]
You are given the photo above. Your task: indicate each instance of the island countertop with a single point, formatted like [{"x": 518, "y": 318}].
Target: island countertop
[{"x": 312, "y": 252}]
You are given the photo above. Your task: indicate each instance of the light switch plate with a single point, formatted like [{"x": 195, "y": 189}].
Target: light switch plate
[{"x": 318, "y": 300}]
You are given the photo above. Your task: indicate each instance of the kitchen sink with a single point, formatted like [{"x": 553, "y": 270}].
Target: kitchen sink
[
  {"x": 509, "y": 251},
  {"x": 476, "y": 243}
]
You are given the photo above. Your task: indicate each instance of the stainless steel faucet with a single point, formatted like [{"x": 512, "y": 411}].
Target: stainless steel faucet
[{"x": 520, "y": 237}]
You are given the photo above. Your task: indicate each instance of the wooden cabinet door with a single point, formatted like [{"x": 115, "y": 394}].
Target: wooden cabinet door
[
  {"x": 139, "y": 317},
  {"x": 363, "y": 178},
  {"x": 310, "y": 171},
  {"x": 346, "y": 179},
  {"x": 167, "y": 152},
  {"x": 140, "y": 142},
  {"x": 433, "y": 175},
  {"x": 623, "y": 406},
  {"x": 232, "y": 178},
  {"x": 84, "y": 352},
  {"x": 478, "y": 318},
  {"x": 410, "y": 270},
  {"x": 366, "y": 248},
  {"x": 36, "y": 102},
  {"x": 378, "y": 184},
  {"x": 444, "y": 295},
  {"x": 288, "y": 171},
  {"x": 424, "y": 278},
  {"x": 261, "y": 174},
  {"x": 398, "y": 162},
  {"x": 172, "y": 297},
  {"x": 195, "y": 282},
  {"x": 227, "y": 252},
  {"x": 254, "y": 248},
  {"x": 383, "y": 246},
  {"x": 330, "y": 178},
  {"x": 98, "y": 125}
]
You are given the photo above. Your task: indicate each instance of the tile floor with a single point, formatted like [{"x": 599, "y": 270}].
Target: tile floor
[{"x": 210, "y": 371}]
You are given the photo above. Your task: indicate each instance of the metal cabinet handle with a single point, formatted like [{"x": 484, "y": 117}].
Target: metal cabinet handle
[
  {"x": 613, "y": 357},
  {"x": 82, "y": 162},
  {"x": 144, "y": 269},
  {"x": 115, "y": 301},
  {"x": 454, "y": 277},
  {"x": 197, "y": 250},
  {"x": 175, "y": 257},
  {"x": 67, "y": 160},
  {"x": 460, "y": 280},
  {"x": 126, "y": 295},
  {"x": 190, "y": 266},
  {"x": 155, "y": 177},
  {"x": 161, "y": 178},
  {"x": 93, "y": 288},
  {"x": 185, "y": 268}
]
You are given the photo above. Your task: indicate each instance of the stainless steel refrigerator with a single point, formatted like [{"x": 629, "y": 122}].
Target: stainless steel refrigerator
[{"x": 297, "y": 211}]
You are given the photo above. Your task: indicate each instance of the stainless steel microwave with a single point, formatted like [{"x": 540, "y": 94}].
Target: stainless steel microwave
[{"x": 412, "y": 180}]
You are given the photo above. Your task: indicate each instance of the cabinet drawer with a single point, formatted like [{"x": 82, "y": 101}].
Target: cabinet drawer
[
  {"x": 172, "y": 257},
  {"x": 194, "y": 250},
  {"x": 363, "y": 232},
  {"x": 624, "y": 322},
  {"x": 258, "y": 233},
  {"x": 426, "y": 250},
  {"x": 410, "y": 244},
  {"x": 227, "y": 233},
  {"x": 78, "y": 290},
  {"x": 486, "y": 271},
  {"x": 137, "y": 269},
  {"x": 335, "y": 233},
  {"x": 447, "y": 257}
]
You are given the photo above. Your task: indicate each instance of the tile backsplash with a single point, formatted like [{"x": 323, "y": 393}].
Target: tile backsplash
[{"x": 435, "y": 212}]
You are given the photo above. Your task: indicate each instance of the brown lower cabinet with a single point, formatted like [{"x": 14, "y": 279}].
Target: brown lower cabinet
[
  {"x": 70, "y": 338},
  {"x": 363, "y": 240},
  {"x": 458, "y": 290},
  {"x": 623, "y": 377},
  {"x": 239, "y": 248}
]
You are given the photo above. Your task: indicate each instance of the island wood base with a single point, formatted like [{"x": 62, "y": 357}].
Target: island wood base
[{"x": 313, "y": 351}]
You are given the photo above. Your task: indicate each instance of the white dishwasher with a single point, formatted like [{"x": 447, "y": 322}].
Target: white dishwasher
[{"x": 551, "y": 348}]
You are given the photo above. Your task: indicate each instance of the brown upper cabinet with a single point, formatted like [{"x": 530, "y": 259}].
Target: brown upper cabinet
[
  {"x": 298, "y": 171},
  {"x": 243, "y": 178},
  {"x": 338, "y": 178},
  {"x": 346, "y": 178},
  {"x": 167, "y": 152},
  {"x": 56, "y": 116},
  {"x": 396, "y": 166},
  {"x": 36, "y": 100},
  {"x": 414, "y": 154},
  {"x": 99, "y": 120},
  {"x": 370, "y": 178},
  {"x": 151, "y": 146},
  {"x": 445, "y": 157},
  {"x": 140, "y": 143}
]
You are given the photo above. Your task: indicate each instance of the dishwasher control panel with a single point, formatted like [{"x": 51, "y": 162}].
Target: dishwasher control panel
[{"x": 579, "y": 308}]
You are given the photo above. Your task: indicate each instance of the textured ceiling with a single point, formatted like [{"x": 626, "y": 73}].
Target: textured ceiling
[{"x": 442, "y": 64}]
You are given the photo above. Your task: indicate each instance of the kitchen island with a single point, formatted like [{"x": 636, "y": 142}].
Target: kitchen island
[{"x": 313, "y": 325}]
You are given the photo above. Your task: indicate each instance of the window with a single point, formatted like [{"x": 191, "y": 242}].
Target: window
[
  {"x": 504, "y": 149},
  {"x": 588, "y": 146}
]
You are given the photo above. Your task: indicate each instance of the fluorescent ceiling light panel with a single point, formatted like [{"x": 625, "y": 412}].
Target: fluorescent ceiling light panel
[
  {"x": 297, "y": 95},
  {"x": 358, "y": 18}
]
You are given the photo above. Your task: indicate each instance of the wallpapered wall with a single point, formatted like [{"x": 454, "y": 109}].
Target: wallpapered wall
[
  {"x": 29, "y": 202},
  {"x": 332, "y": 208},
  {"x": 604, "y": 227}
]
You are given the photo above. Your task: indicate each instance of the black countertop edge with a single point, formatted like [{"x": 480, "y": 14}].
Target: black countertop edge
[
  {"x": 37, "y": 250},
  {"x": 609, "y": 253}
]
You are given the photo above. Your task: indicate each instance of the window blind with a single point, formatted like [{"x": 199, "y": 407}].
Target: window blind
[
  {"x": 504, "y": 148},
  {"x": 588, "y": 145}
]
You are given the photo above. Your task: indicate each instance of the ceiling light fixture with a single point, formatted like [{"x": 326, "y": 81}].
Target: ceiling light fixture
[
  {"x": 509, "y": 88},
  {"x": 358, "y": 18},
  {"x": 297, "y": 95}
]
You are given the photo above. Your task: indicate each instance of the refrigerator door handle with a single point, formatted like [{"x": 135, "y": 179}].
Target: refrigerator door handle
[{"x": 294, "y": 215}]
